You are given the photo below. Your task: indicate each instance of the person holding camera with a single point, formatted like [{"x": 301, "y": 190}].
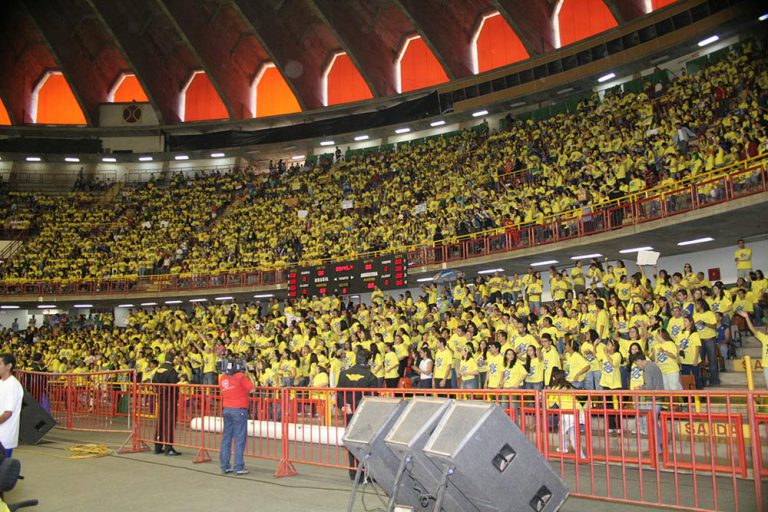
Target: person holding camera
[{"x": 235, "y": 387}]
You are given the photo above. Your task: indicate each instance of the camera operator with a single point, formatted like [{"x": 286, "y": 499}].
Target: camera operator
[
  {"x": 359, "y": 376},
  {"x": 235, "y": 386}
]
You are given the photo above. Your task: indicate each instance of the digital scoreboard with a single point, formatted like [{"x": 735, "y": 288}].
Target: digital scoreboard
[{"x": 360, "y": 276}]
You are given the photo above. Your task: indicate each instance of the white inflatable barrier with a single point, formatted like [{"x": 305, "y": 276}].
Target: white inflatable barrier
[{"x": 300, "y": 432}]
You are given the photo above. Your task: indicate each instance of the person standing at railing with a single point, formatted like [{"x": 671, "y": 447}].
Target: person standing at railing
[
  {"x": 11, "y": 396},
  {"x": 652, "y": 381},
  {"x": 168, "y": 400},
  {"x": 235, "y": 387},
  {"x": 743, "y": 259},
  {"x": 359, "y": 376}
]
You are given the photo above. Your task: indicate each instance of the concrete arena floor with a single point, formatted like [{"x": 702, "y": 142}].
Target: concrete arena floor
[{"x": 148, "y": 482}]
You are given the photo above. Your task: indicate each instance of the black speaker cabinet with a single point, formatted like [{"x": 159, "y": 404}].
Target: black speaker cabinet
[
  {"x": 493, "y": 464},
  {"x": 35, "y": 421}
]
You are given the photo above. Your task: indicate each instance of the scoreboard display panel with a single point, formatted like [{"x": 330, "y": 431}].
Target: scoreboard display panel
[{"x": 360, "y": 276}]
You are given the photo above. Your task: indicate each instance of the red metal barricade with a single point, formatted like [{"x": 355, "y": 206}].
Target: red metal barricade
[{"x": 678, "y": 450}]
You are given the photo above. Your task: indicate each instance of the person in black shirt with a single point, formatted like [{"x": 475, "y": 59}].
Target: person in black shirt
[
  {"x": 167, "y": 403},
  {"x": 359, "y": 376}
]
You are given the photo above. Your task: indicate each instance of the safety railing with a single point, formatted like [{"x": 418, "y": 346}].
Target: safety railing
[
  {"x": 735, "y": 182},
  {"x": 678, "y": 450}
]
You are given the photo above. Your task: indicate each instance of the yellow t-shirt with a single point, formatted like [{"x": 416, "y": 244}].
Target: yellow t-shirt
[
  {"x": 763, "y": 338},
  {"x": 744, "y": 257},
  {"x": 575, "y": 363},
  {"x": 391, "y": 366},
  {"x": 665, "y": 363},
  {"x": 469, "y": 365},
  {"x": 611, "y": 376},
  {"x": 514, "y": 377},
  {"x": 443, "y": 361},
  {"x": 690, "y": 345},
  {"x": 495, "y": 369},
  {"x": 707, "y": 317}
]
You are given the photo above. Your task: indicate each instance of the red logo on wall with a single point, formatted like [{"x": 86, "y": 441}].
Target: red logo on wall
[{"x": 132, "y": 114}]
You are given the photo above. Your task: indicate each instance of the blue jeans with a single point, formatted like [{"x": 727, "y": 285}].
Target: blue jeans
[
  {"x": 235, "y": 427},
  {"x": 8, "y": 453},
  {"x": 593, "y": 380}
]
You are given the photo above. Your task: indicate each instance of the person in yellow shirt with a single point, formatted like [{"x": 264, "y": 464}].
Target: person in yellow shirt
[
  {"x": 689, "y": 346},
  {"x": 468, "y": 371},
  {"x": 706, "y": 326},
  {"x": 550, "y": 356},
  {"x": 576, "y": 366},
  {"x": 391, "y": 366},
  {"x": 569, "y": 410},
  {"x": 763, "y": 339},
  {"x": 443, "y": 364},
  {"x": 534, "y": 367},
  {"x": 743, "y": 259},
  {"x": 592, "y": 350},
  {"x": 495, "y": 362},
  {"x": 666, "y": 355},
  {"x": 611, "y": 379}
]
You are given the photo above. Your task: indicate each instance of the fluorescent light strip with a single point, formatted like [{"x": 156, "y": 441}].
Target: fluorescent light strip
[
  {"x": 145, "y": 159},
  {"x": 586, "y": 256},
  {"x": 9, "y": 307},
  {"x": 224, "y": 298},
  {"x": 696, "y": 241},
  {"x": 47, "y": 306},
  {"x": 181, "y": 157},
  {"x": 327, "y": 143},
  {"x": 173, "y": 302},
  {"x": 437, "y": 123},
  {"x": 542, "y": 263},
  {"x": 198, "y": 300},
  {"x": 566, "y": 90},
  {"x": 402, "y": 130},
  {"x": 125, "y": 306},
  {"x": 709, "y": 40},
  {"x": 149, "y": 303},
  {"x": 361, "y": 137},
  {"x": 33, "y": 159},
  {"x": 636, "y": 249},
  {"x": 263, "y": 295},
  {"x": 425, "y": 279},
  {"x": 109, "y": 159},
  {"x": 72, "y": 159},
  {"x": 217, "y": 155},
  {"x": 298, "y": 157},
  {"x": 480, "y": 113},
  {"x": 763, "y": 17},
  {"x": 518, "y": 104},
  {"x": 605, "y": 78},
  {"x": 490, "y": 270},
  {"x": 83, "y": 306}
]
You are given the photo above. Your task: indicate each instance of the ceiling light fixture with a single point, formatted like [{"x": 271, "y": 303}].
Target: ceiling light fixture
[
  {"x": 586, "y": 256},
  {"x": 696, "y": 241},
  {"x": 709, "y": 40},
  {"x": 605, "y": 78},
  {"x": 636, "y": 249},
  {"x": 402, "y": 130},
  {"x": 437, "y": 123},
  {"x": 543, "y": 263},
  {"x": 480, "y": 113}
]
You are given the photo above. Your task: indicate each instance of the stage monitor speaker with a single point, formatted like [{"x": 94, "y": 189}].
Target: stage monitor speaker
[
  {"x": 407, "y": 439},
  {"x": 35, "y": 422},
  {"x": 364, "y": 437},
  {"x": 492, "y": 463}
]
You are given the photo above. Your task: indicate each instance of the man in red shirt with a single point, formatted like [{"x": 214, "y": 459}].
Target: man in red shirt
[{"x": 235, "y": 387}]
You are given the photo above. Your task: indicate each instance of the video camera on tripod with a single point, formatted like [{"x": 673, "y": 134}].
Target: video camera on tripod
[{"x": 231, "y": 366}]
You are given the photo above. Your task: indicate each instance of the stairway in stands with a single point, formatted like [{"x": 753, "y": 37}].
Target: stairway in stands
[{"x": 735, "y": 377}]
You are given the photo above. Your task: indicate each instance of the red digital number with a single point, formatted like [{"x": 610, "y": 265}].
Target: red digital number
[
  {"x": 304, "y": 279},
  {"x": 322, "y": 290},
  {"x": 399, "y": 282},
  {"x": 399, "y": 275},
  {"x": 368, "y": 266},
  {"x": 386, "y": 268},
  {"x": 386, "y": 282},
  {"x": 371, "y": 286},
  {"x": 398, "y": 268},
  {"x": 321, "y": 273},
  {"x": 343, "y": 290}
]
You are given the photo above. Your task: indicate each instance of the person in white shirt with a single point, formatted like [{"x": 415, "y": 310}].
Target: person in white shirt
[{"x": 11, "y": 396}]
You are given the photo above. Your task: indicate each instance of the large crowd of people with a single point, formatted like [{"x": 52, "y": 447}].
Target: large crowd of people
[
  {"x": 444, "y": 189},
  {"x": 493, "y": 333}
]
